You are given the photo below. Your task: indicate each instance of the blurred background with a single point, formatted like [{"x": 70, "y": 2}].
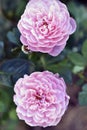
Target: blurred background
[{"x": 71, "y": 64}]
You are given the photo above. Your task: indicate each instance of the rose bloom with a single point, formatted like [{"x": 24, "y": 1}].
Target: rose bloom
[
  {"x": 45, "y": 26},
  {"x": 41, "y": 98}
]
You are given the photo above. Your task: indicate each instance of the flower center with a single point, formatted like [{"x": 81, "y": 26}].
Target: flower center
[
  {"x": 38, "y": 97},
  {"x": 45, "y": 23},
  {"x": 44, "y": 27}
]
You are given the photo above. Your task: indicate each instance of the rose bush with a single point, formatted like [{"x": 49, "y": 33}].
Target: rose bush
[
  {"x": 45, "y": 26},
  {"x": 41, "y": 98}
]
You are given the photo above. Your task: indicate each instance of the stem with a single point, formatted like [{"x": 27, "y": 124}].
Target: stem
[{"x": 82, "y": 76}]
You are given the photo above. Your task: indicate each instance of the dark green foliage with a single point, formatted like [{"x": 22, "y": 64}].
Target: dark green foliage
[
  {"x": 77, "y": 59},
  {"x": 14, "y": 36},
  {"x": 84, "y": 50},
  {"x": 1, "y": 50},
  {"x": 71, "y": 64},
  {"x": 83, "y": 96},
  {"x": 15, "y": 69}
]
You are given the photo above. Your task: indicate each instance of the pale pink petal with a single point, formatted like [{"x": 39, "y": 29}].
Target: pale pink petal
[
  {"x": 73, "y": 24},
  {"x": 57, "y": 50},
  {"x": 44, "y": 24},
  {"x": 41, "y": 98}
]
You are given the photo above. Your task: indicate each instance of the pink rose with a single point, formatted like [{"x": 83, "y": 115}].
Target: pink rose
[
  {"x": 41, "y": 98},
  {"x": 45, "y": 26}
]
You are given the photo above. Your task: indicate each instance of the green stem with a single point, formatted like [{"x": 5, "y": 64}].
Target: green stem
[{"x": 82, "y": 76}]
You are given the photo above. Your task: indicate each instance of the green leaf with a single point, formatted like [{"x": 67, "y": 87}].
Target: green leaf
[
  {"x": 78, "y": 69},
  {"x": 14, "y": 36},
  {"x": 20, "y": 8},
  {"x": 17, "y": 34},
  {"x": 1, "y": 50},
  {"x": 80, "y": 17},
  {"x": 11, "y": 124},
  {"x": 84, "y": 49},
  {"x": 4, "y": 100},
  {"x": 83, "y": 96},
  {"x": 84, "y": 87},
  {"x": 5, "y": 80},
  {"x": 13, "y": 115},
  {"x": 63, "y": 70},
  {"x": 2, "y": 106},
  {"x": 80, "y": 14},
  {"x": 77, "y": 59},
  {"x": 16, "y": 68},
  {"x": 11, "y": 37}
]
